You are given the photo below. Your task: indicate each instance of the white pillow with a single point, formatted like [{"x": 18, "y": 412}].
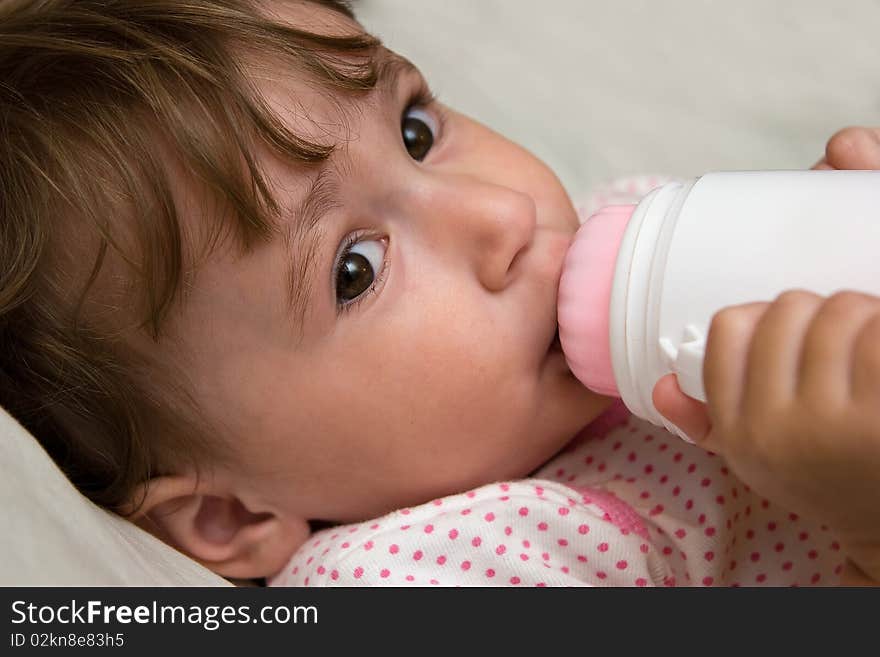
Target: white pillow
[
  {"x": 597, "y": 89},
  {"x": 52, "y": 535}
]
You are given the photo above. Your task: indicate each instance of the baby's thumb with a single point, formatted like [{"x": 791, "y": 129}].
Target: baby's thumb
[{"x": 686, "y": 413}]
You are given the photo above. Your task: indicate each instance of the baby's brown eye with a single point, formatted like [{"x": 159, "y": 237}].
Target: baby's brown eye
[
  {"x": 419, "y": 129},
  {"x": 357, "y": 269}
]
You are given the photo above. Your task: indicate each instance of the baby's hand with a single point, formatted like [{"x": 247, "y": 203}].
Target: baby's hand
[
  {"x": 793, "y": 390},
  {"x": 852, "y": 148}
]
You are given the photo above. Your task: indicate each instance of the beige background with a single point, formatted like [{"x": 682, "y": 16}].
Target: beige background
[{"x": 608, "y": 88}]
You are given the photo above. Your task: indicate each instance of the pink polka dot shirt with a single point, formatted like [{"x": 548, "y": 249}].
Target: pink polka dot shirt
[{"x": 626, "y": 504}]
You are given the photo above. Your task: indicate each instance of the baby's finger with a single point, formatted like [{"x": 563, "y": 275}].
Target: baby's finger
[
  {"x": 686, "y": 413},
  {"x": 822, "y": 164},
  {"x": 775, "y": 352},
  {"x": 854, "y": 148},
  {"x": 824, "y": 372},
  {"x": 724, "y": 367},
  {"x": 866, "y": 362}
]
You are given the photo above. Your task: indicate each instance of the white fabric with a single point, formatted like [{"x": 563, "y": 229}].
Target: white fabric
[
  {"x": 52, "y": 535},
  {"x": 597, "y": 89}
]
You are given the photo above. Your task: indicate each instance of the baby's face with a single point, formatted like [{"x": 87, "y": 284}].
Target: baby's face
[{"x": 413, "y": 357}]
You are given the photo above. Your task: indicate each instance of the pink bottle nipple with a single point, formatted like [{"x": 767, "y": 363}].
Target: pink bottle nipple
[{"x": 585, "y": 297}]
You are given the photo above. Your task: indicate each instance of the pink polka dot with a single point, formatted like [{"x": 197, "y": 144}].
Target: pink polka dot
[
  {"x": 835, "y": 546},
  {"x": 321, "y": 570},
  {"x": 466, "y": 512},
  {"x": 641, "y": 581},
  {"x": 812, "y": 554},
  {"x": 523, "y": 511},
  {"x": 680, "y": 533},
  {"x": 429, "y": 529},
  {"x": 490, "y": 572},
  {"x": 803, "y": 536},
  {"x": 434, "y": 582},
  {"x": 368, "y": 545},
  {"x": 563, "y": 511},
  {"x": 505, "y": 487},
  {"x": 540, "y": 585},
  {"x": 631, "y": 457},
  {"x": 719, "y": 500},
  {"x": 476, "y": 541},
  {"x": 603, "y": 547},
  {"x": 526, "y": 544},
  {"x": 562, "y": 542},
  {"x": 689, "y": 505},
  {"x": 708, "y": 581},
  {"x": 437, "y": 502},
  {"x": 384, "y": 573},
  {"x": 306, "y": 582},
  {"x": 583, "y": 529},
  {"x": 676, "y": 491},
  {"x": 501, "y": 549},
  {"x": 542, "y": 526},
  {"x": 358, "y": 572},
  {"x": 417, "y": 555},
  {"x": 524, "y": 557},
  {"x": 787, "y": 565},
  {"x": 453, "y": 534},
  {"x": 691, "y": 468},
  {"x": 750, "y": 534},
  {"x": 582, "y": 558},
  {"x": 709, "y": 555},
  {"x": 515, "y": 580},
  {"x": 705, "y": 482},
  {"x": 601, "y": 574},
  {"x": 410, "y": 578},
  {"x": 709, "y": 531},
  {"x": 489, "y": 517},
  {"x": 667, "y": 550},
  {"x": 334, "y": 574},
  {"x": 441, "y": 560},
  {"x": 621, "y": 565},
  {"x": 345, "y": 545},
  {"x": 771, "y": 526},
  {"x": 545, "y": 556},
  {"x": 465, "y": 565},
  {"x": 779, "y": 547},
  {"x": 761, "y": 577},
  {"x": 649, "y": 469},
  {"x": 310, "y": 560},
  {"x": 755, "y": 557},
  {"x": 815, "y": 578},
  {"x": 394, "y": 548},
  {"x": 564, "y": 569},
  {"x": 644, "y": 548}
]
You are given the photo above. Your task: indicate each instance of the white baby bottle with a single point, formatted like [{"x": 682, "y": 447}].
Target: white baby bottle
[{"x": 641, "y": 282}]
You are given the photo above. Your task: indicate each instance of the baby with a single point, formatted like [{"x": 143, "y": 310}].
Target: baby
[{"x": 256, "y": 280}]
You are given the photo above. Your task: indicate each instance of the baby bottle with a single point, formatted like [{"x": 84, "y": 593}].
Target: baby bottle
[{"x": 641, "y": 283}]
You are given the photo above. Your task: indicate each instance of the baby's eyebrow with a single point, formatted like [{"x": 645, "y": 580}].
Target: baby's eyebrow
[{"x": 301, "y": 239}]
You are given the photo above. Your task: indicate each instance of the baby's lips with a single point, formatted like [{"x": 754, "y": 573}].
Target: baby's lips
[{"x": 585, "y": 297}]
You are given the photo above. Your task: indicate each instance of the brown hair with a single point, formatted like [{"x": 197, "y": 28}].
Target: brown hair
[{"x": 84, "y": 87}]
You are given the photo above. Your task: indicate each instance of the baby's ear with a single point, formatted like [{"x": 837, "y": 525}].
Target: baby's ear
[{"x": 234, "y": 537}]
